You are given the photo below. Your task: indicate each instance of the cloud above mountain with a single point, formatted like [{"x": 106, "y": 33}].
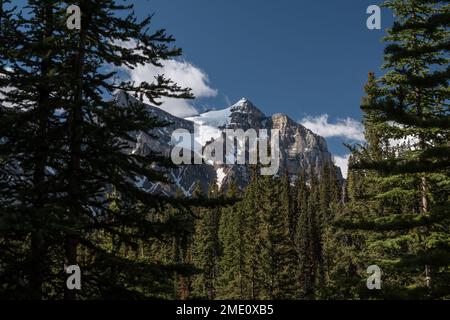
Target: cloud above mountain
[
  {"x": 347, "y": 128},
  {"x": 183, "y": 74}
]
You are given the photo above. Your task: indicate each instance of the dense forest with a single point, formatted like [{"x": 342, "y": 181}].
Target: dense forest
[{"x": 67, "y": 179}]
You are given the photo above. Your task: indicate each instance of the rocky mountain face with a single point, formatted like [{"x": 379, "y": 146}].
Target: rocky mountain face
[{"x": 300, "y": 149}]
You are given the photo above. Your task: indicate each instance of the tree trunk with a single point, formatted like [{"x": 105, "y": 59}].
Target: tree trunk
[
  {"x": 76, "y": 134},
  {"x": 424, "y": 208},
  {"x": 1, "y": 12},
  {"x": 38, "y": 243}
]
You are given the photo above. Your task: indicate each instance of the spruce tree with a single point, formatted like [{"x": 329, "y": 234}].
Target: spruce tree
[
  {"x": 301, "y": 231},
  {"x": 206, "y": 249},
  {"x": 409, "y": 242},
  {"x": 330, "y": 207},
  {"x": 100, "y": 132},
  {"x": 308, "y": 238},
  {"x": 277, "y": 254},
  {"x": 30, "y": 95},
  {"x": 232, "y": 268},
  {"x": 251, "y": 208},
  {"x": 68, "y": 145}
]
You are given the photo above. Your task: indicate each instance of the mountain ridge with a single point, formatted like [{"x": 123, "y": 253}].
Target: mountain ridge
[{"x": 301, "y": 150}]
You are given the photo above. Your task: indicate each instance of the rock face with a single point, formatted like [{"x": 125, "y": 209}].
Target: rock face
[{"x": 300, "y": 149}]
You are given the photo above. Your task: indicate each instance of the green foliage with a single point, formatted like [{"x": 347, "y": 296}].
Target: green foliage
[
  {"x": 396, "y": 209},
  {"x": 207, "y": 250},
  {"x": 68, "y": 191}
]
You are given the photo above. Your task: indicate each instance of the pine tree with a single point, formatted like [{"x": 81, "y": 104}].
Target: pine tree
[
  {"x": 330, "y": 199},
  {"x": 308, "y": 238},
  {"x": 301, "y": 232},
  {"x": 259, "y": 260},
  {"x": 206, "y": 249},
  {"x": 345, "y": 268},
  {"x": 68, "y": 161},
  {"x": 286, "y": 243},
  {"x": 232, "y": 268},
  {"x": 251, "y": 208},
  {"x": 31, "y": 91},
  {"x": 408, "y": 240},
  {"x": 277, "y": 254},
  {"x": 183, "y": 243},
  {"x": 98, "y": 127}
]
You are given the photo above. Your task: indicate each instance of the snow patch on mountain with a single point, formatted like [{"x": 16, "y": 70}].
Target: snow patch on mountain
[
  {"x": 177, "y": 177},
  {"x": 216, "y": 118},
  {"x": 209, "y": 125},
  {"x": 219, "y": 118},
  {"x": 220, "y": 172}
]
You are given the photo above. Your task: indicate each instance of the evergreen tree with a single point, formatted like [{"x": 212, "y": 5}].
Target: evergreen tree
[
  {"x": 259, "y": 260},
  {"x": 273, "y": 236},
  {"x": 330, "y": 207},
  {"x": 251, "y": 208},
  {"x": 30, "y": 95},
  {"x": 346, "y": 247},
  {"x": 207, "y": 249},
  {"x": 408, "y": 240},
  {"x": 301, "y": 231},
  {"x": 183, "y": 243},
  {"x": 308, "y": 239},
  {"x": 98, "y": 127},
  {"x": 232, "y": 268},
  {"x": 67, "y": 146},
  {"x": 281, "y": 240}
]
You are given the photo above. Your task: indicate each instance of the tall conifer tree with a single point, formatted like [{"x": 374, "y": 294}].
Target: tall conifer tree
[
  {"x": 68, "y": 145},
  {"x": 413, "y": 111}
]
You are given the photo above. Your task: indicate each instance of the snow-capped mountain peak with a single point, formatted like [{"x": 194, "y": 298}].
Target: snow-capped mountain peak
[
  {"x": 215, "y": 118},
  {"x": 300, "y": 149},
  {"x": 246, "y": 106},
  {"x": 229, "y": 116},
  {"x": 241, "y": 103}
]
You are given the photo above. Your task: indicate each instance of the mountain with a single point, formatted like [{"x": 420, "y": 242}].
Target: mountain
[{"x": 300, "y": 148}]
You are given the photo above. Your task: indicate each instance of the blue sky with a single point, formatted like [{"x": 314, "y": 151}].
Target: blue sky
[{"x": 301, "y": 58}]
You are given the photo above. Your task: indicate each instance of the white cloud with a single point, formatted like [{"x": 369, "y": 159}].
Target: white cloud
[
  {"x": 347, "y": 128},
  {"x": 178, "y": 107},
  {"x": 342, "y": 162},
  {"x": 183, "y": 74}
]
